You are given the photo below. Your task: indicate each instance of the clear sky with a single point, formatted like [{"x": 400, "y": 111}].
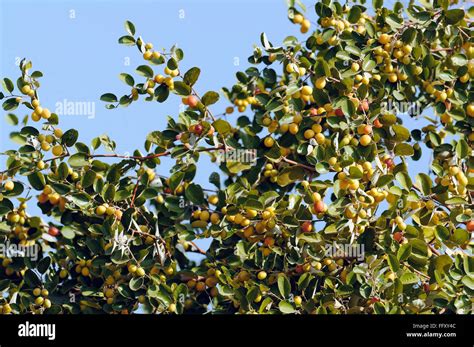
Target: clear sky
[{"x": 74, "y": 43}]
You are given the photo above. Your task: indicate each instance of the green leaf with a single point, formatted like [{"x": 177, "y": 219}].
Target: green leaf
[
  {"x": 462, "y": 149},
  {"x": 176, "y": 179},
  {"x": 80, "y": 199},
  {"x": 354, "y": 14},
  {"x": 78, "y": 160},
  {"x": 284, "y": 285},
  {"x": 404, "y": 149},
  {"x": 404, "y": 252},
  {"x": 393, "y": 263},
  {"x": 402, "y": 134},
  {"x": 442, "y": 233},
  {"x": 126, "y": 40},
  {"x": 8, "y": 85},
  {"x": 210, "y": 98},
  {"x": 469, "y": 265},
  {"x": 136, "y": 283},
  {"x": 88, "y": 178},
  {"x": 130, "y": 27},
  {"x": 127, "y": 79},
  {"x": 286, "y": 307},
  {"x": 162, "y": 93},
  {"x": 404, "y": 179},
  {"x": 222, "y": 127},
  {"x": 36, "y": 180},
  {"x": 44, "y": 264},
  {"x": 191, "y": 76},
  {"x": 32, "y": 280},
  {"x": 109, "y": 97},
  {"x": 195, "y": 194},
  {"x": 182, "y": 88},
  {"x": 145, "y": 70},
  {"x": 454, "y": 16},
  {"x": 409, "y": 278},
  {"x": 70, "y": 137},
  {"x": 384, "y": 180},
  {"x": 11, "y": 119},
  {"x": 424, "y": 183}
]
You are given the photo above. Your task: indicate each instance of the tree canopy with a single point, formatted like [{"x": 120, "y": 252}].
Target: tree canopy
[{"x": 318, "y": 205}]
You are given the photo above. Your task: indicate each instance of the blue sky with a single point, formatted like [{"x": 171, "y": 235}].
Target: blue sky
[{"x": 74, "y": 43}]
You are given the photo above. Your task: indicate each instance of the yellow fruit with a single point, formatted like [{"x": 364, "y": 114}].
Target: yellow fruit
[
  {"x": 37, "y": 292},
  {"x": 268, "y": 142},
  {"x": 355, "y": 67},
  {"x": 213, "y": 200},
  {"x": 204, "y": 216},
  {"x": 307, "y": 90},
  {"x": 45, "y": 146},
  {"x": 9, "y": 185},
  {"x": 85, "y": 271},
  {"x": 46, "y": 114},
  {"x": 100, "y": 210},
  {"x": 384, "y": 39},
  {"x": 470, "y": 110},
  {"x": 317, "y": 128},
  {"x": 305, "y": 26},
  {"x": 393, "y": 77},
  {"x": 365, "y": 140},
  {"x": 26, "y": 89},
  {"x": 293, "y": 128},
  {"x": 147, "y": 55},
  {"x": 320, "y": 83},
  {"x": 35, "y": 117},
  {"x": 57, "y": 150},
  {"x": 298, "y": 300},
  {"x": 308, "y": 134},
  {"x": 215, "y": 218},
  {"x": 298, "y": 18},
  {"x": 464, "y": 78},
  {"x": 262, "y": 275},
  {"x": 58, "y": 133}
]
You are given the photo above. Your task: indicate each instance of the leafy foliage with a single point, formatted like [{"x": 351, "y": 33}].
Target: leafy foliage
[{"x": 328, "y": 167}]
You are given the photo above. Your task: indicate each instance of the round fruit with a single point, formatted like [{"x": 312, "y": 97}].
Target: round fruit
[
  {"x": 262, "y": 275},
  {"x": 365, "y": 140},
  {"x": 320, "y": 207},
  {"x": 268, "y": 142},
  {"x": 320, "y": 83},
  {"x": 470, "y": 226},
  {"x": 57, "y": 150},
  {"x": 9, "y": 185},
  {"x": 192, "y": 101},
  {"x": 100, "y": 210},
  {"x": 398, "y": 236},
  {"x": 306, "y": 227},
  {"x": 53, "y": 231}
]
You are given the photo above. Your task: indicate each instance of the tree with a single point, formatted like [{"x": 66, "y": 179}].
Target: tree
[{"x": 318, "y": 211}]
